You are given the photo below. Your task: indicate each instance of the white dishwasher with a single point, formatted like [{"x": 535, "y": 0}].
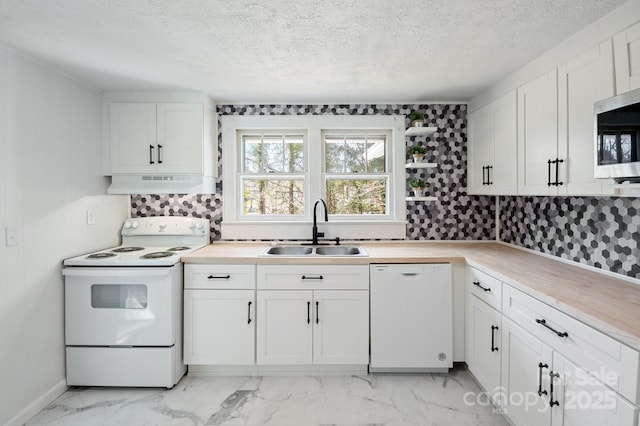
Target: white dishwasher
[{"x": 411, "y": 318}]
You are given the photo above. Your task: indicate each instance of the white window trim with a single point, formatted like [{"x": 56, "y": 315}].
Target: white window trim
[{"x": 300, "y": 228}]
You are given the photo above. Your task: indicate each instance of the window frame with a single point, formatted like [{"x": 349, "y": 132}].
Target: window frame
[{"x": 392, "y": 225}]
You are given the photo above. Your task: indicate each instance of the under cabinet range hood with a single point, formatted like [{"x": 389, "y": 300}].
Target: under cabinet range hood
[{"x": 162, "y": 184}]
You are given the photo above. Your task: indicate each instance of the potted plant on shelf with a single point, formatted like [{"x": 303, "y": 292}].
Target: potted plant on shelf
[
  {"x": 419, "y": 186},
  {"x": 418, "y": 152},
  {"x": 417, "y": 118}
]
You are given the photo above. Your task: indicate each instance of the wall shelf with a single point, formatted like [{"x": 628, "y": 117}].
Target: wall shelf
[
  {"x": 420, "y": 165},
  {"x": 420, "y": 131},
  {"x": 421, "y": 198}
]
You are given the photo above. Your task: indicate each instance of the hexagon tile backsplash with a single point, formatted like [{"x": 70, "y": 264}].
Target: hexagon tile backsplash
[{"x": 598, "y": 231}]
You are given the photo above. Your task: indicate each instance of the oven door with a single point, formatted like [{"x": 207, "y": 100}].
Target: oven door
[{"x": 118, "y": 306}]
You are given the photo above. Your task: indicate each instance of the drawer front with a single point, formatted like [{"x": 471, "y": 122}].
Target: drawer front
[
  {"x": 225, "y": 277},
  {"x": 485, "y": 287},
  {"x": 614, "y": 364},
  {"x": 313, "y": 277}
]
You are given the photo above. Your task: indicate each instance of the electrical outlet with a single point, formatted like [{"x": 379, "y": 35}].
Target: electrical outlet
[
  {"x": 91, "y": 217},
  {"x": 10, "y": 236}
]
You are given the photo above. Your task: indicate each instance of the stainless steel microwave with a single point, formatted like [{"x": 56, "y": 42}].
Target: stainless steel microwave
[{"x": 617, "y": 137}]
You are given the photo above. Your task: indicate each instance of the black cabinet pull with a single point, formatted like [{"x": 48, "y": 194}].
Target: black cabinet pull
[
  {"x": 552, "y": 375},
  {"x": 308, "y": 312},
  {"x": 549, "y": 162},
  {"x": 477, "y": 284},
  {"x": 540, "y": 367},
  {"x": 489, "y": 168},
  {"x": 484, "y": 179},
  {"x": 317, "y": 312},
  {"x": 493, "y": 346},
  {"x": 224, "y": 277},
  {"x": 559, "y": 333},
  {"x": 151, "y": 154},
  {"x": 249, "y": 313},
  {"x": 558, "y": 161},
  {"x": 319, "y": 277},
  {"x": 159, "y": 154}
]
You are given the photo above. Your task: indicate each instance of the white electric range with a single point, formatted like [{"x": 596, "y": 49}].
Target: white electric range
[{"x": 123, "y": 305}]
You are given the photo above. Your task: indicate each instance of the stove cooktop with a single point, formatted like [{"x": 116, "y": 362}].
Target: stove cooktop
[{"x": 132, "y": 256}]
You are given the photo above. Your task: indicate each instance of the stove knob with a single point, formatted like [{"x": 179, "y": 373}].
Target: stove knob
[
  {"x": 127, "y": 225},
  {"x": 135, "y": 225},
  {"x": 191, "y": 224},
  {"x": 163, "y": 226},
  {"x": 200, "y": 225}
]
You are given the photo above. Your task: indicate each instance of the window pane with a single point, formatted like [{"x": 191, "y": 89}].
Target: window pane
[
  {"x": 376, "y": 155},
  {"x": 293, "y": 154},
  {"x": 356, "y": 197},
  {"x": 355, "y": 155},
  {"x": 273, "y": 153},
  {"x": 334, "y": 152},
  {"x": 273, "y": 196}
]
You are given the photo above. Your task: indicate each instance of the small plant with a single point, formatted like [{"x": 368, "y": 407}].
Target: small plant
[
  {"x": 417, "y": 150},
  {"x": 418, "y": 183},
  {"x": 416, "y": 115}
]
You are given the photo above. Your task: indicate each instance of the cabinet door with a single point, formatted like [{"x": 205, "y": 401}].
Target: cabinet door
[
  {"x": 133, "y": 138},
  {"x": 485, "y": 345},
  {"x": 219, "y": 327},
  {"x": 581, "y": 82},
  {"x": 504, "y": 174},
  {"x": 180, "y": 138},
  {"x": 584, "y": 400},
  {"x": 521, "y": 373},
  {"x": 481, "y": 147},
  {"x": 284, "y": 334},
  {"x": 627, "y": 57},
  {"x": 341, "y": 327},
  {"x": 537, "y": 134}
]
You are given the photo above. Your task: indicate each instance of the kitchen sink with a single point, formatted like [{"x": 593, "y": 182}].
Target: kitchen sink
[
  {"x": 339, "y": 251},
  {"x": 289, "y": 251},
  {"x": 325, "y": 251}
]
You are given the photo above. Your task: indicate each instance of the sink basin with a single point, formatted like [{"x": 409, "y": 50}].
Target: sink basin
[
  {"x": 339, "y": 251},
  {"x": 326, "y": 251},
  {"x": 289, "y": 251}
]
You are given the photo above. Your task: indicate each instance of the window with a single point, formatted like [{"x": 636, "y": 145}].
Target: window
[
  {"x": 275, "y": 167},
  {"x": 272, "y": 179},
  {"x": 356, "y": 181}
]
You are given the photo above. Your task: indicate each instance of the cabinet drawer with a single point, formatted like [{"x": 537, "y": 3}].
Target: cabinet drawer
[
  {"x": 220, "y": 277},
  {"x": 310, "y": 277},
  {"x": 485, "y": 287},
  {"x": 611, "y": 362}
]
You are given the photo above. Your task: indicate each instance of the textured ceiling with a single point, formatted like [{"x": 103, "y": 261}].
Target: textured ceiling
[{"x": 296, "y": 51}]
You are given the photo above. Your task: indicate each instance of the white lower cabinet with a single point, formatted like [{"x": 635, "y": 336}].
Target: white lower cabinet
[
  {"x": 484, "y": 345},
  {"x": 316, "y": 315},
  {"x": 544, "y": 367},
  {"x": 219, "y": 314},
  {"x": 526, "y": 363}
]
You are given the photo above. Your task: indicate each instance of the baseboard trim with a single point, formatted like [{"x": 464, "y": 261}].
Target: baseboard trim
[{"x": 28, "y": 412}]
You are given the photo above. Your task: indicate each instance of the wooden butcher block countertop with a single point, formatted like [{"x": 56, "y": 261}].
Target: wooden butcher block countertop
[{"x": 606, "y": 303}]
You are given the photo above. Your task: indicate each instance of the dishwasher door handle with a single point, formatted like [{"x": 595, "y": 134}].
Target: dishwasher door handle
[{"x": 409, "y": 274}]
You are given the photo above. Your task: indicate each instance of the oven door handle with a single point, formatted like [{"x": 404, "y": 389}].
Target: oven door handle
[{"x": 118, "y": 272}]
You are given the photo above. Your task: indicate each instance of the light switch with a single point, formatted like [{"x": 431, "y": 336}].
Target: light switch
[
  {"x": 10, "y": 236},
  {"x": 91, "y": 217}
]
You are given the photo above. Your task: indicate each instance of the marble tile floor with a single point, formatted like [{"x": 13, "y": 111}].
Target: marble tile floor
[{"x": 376, "y": 399}]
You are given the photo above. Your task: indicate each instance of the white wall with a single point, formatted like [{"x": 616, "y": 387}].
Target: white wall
[{"x": 50, "y": 163}]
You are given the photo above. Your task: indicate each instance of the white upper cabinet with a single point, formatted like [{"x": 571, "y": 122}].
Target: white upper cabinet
[
  {"x": 538, "y": 136},
  {"x": 582, "y": 82},
  {"x": 556, "y": 126},
  {"x": 146, "y": 136},
  {"x": 627, "y": 59},
  {"x": 492, "y": 148}
]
